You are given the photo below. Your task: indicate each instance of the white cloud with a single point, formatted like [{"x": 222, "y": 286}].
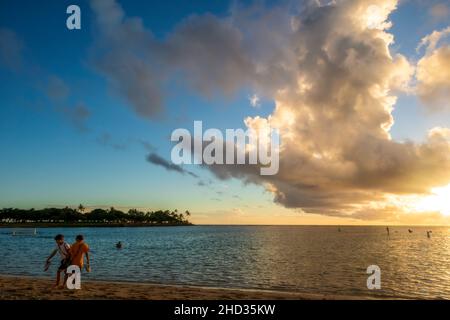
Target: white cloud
[
  {"x": 254, "y": 101},
  {"x": 433, "y": 71},
  {"x": 333, "y": 79}
]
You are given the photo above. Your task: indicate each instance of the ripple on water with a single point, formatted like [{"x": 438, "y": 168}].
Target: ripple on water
[{"x": 292, "y": 258}]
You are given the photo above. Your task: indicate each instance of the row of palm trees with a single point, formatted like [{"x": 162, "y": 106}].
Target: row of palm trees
[{"x": 98, "y": 215}]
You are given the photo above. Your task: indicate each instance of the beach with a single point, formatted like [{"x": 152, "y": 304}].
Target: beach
[{"x": 29, "y": 288}]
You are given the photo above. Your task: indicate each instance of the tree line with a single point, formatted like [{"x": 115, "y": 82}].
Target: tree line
[{"x": 81, "y": 215}]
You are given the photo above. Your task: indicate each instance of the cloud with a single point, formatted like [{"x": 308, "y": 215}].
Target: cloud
[
  {"x": 433, "y": 71},
  {"x": 57, "y": 90},
  {"x": 147, "y": 145},
  {"x": 254, "y": 101},
  {"x": 51, "y": 86},
  {"x": 203, "y": 183},
  {"x": 58, "y": 93},
  {"x": 332, "y": 75},
  {"x": 123, "y": 55},
  {"x": 439, "y": 11},
  {"x": 209, "y": 54},
  {"x": 337, "y": 155},
  {"x": 159, "y": 161},
  {"x": 11, "y": 49},
  {"x": 78, "y": 114},
  {"x": 106, "y": 139}
]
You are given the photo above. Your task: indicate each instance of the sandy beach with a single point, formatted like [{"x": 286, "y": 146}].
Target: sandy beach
[{"x": 27, "y": 288}]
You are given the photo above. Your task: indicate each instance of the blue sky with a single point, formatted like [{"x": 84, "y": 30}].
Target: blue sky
[
  {"x": 50, "y": 159},
  {"x": 51, "y": 162}
]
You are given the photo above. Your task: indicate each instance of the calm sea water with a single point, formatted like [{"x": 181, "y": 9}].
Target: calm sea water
[{"x": 287, "y": 258}]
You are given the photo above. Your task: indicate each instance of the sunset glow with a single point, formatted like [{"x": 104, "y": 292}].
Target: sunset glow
[
  {"x": 357, "y": 91},
  {"x": 437, "y": 201}
]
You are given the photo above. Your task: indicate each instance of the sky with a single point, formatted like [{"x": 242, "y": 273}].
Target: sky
[{"x": 359, "y": 90}]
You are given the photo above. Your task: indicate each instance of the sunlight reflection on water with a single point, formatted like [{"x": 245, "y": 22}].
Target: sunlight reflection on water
[{"x": 292, "y": 258}]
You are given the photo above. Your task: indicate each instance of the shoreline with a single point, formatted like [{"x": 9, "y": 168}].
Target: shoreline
[
  {"x": 104, "y": 225},
  {"x": 13, "y": 287},
  {"x": 90, "y": 225}
]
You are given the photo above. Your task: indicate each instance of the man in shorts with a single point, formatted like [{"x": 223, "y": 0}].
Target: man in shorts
[{"x": 79, "y": 250}]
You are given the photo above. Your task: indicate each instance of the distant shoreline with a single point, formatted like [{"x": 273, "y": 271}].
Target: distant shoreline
[
  {"x": 121, "y": 225},
  {"x": 71, "y": 218},
  {"x": 90, "y": 225}
]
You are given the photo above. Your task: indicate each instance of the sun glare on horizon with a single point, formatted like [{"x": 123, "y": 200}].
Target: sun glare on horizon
[{"x": 438, "y": 201}]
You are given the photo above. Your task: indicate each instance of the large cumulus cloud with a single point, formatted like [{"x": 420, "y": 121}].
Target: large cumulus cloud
[
  {"x": 331, "y": 73},
  {"x": 433, "y": 71}
]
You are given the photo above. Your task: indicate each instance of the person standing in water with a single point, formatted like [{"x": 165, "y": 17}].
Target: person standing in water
[{"x": 387, "y": 230}]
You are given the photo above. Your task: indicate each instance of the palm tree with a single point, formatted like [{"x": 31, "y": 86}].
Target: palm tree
[{"x": 81, "y": 208}]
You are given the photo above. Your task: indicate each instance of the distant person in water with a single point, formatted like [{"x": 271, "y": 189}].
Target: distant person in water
[
  {"x": 429, "y": 234},
  {"x": 387, "y": 230},
  {"x": 410, "y": 231},
  {"x": 80, "y": 249},
  {"x": 63, "y": 248},
  {"x": 119, "y": 245}
]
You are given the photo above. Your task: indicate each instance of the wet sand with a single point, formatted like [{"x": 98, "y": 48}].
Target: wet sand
[{"x": 27, "y": 288}]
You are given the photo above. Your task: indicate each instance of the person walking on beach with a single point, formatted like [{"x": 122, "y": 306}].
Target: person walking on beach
[
  {"x": 63, "y": 248},
  {"x": 79, "y": 250}
]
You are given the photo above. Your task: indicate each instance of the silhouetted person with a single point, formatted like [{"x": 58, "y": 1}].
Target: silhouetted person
[
  {"x": 387, "y": 230},
  {"x": 429, "y": 234},
  {"x": 80, "y": 249},
  {"x": 119, "y": 245},
  {"x": 63, "y": 248},
  {"x": 410, "y": 231}
]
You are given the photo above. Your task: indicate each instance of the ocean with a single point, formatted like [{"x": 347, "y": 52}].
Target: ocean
[{"x": 304, "y": 259}]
